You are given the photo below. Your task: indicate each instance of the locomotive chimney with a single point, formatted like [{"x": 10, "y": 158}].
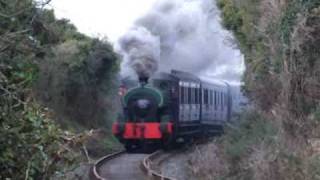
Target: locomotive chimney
[{"x": 143, "y": 80}]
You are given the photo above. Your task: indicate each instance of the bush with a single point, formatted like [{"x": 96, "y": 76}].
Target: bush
[
  {"x": 32, "y": 145},
  {"x": 250, "y": 129},
  {"x": 77, "y": 82},
  {"x": 279, "y": 40},
  {"x": 255, "y": 148}
]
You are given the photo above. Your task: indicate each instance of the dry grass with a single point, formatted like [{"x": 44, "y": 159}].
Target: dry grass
[
  {"x": 205, "y": 159},
  {"x": 257, "y": 154}
]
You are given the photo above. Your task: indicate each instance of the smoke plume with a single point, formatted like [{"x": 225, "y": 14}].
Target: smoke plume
[
  {"x": 141, "y": 51},
  {"x": 181, "y": 34}
]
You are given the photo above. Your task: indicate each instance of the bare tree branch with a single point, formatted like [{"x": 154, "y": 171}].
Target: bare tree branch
[
  {"x": 42, "y": 5},
  {"x": 2, "y": 37},
  {"x": 15, "y": 14},
  {"x": 12, "y": 95},
  {"x": 4, "y": 49}
]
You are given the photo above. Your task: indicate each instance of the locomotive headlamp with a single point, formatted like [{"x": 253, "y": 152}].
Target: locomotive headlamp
[
  {"x": 142, "y": 107},
  {"x": 143, "y": 103}
]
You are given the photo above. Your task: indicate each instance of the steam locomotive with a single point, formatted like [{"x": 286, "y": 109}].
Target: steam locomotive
[{"x": 173, "y": 107}]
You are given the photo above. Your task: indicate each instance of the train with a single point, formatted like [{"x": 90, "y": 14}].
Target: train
[{"x": 172, "y": 108}]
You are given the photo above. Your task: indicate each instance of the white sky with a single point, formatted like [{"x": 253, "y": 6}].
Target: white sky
[
  {"x": 105, "y": 18},
  {"x": 111, "y": 18}
]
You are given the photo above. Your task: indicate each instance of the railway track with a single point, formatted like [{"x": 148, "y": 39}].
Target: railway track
[{"x": 122, "y": 166}]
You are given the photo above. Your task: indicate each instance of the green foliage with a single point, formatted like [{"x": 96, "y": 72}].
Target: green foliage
[
  {"x": 266, "y": 42},
  {"x": 32, "y": 145},
  {"x": 242, "y": 17},
  {"x": 289, "y": 18},
  {"x": 76, "y": 80},
  {"x": 28, "y": 144},
  {"x": 231, "y": 15},
  {"x": 29, "y": 140},
  {"x": 280, "y": 41},
  {"x": 250, "y": 129},
  {"x": 239, "y": 16}
]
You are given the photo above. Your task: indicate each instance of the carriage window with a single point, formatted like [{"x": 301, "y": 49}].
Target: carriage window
[
  {"x": 205, "y": 96},
  {"x": 215, "y": 100},
  {"x": 189, "y": 95},
  {"x": 202, "y": 96},
  {"x": 196, "y": 95},
  {"x": 208, "y": 96},
  {"x": 199, "y": 95},
  {"x": 185, "y": 95},
  {"x": 221, "y": 100},
  {"x": 211, "y": 97},
  {"x": 192, "y": 95},
  {"x": 181, "y": 95}
]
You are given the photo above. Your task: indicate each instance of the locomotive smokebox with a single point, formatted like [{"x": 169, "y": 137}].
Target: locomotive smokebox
[{"x": 143, "y": 80}]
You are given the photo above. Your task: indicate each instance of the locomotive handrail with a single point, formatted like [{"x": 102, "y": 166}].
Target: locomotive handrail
[
  {"x": 95, "y": 168},
  {"x": 146, "y": 167}
]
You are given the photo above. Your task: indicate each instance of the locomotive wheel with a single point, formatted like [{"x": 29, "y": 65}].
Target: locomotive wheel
[
  {"x": 131, "y": 147},
  {"x": 168, "y": 143},
  {"x": 128, "y": 148}
]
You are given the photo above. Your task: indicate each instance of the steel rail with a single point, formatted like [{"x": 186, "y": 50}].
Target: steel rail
[
  {"x": 95, "y": 174},
  {"x": 146, "y": 166}
]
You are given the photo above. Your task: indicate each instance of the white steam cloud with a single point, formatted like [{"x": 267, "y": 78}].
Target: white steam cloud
[
  {"x": 181, "y": 34},
  {"x": 141, "y": 51}
]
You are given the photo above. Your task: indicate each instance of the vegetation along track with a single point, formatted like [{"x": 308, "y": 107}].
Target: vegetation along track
[{"x": 123, "y": 165}]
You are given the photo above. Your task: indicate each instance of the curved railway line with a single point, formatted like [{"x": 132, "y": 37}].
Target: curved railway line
[{"x": 122, "y": 166}]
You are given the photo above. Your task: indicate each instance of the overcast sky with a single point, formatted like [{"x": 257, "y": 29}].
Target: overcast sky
[{"x": 111, "y": 18}]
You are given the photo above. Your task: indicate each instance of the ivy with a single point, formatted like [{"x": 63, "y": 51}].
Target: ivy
[{"x": 290, "y": 15}]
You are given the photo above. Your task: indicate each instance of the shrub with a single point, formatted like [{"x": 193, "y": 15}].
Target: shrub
[
  {"x": 32, "y": 145},
  {"x": 77, "y": 82},
  {"x": 250, "y": 129},
  {"x": 29, "y": 145}
]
